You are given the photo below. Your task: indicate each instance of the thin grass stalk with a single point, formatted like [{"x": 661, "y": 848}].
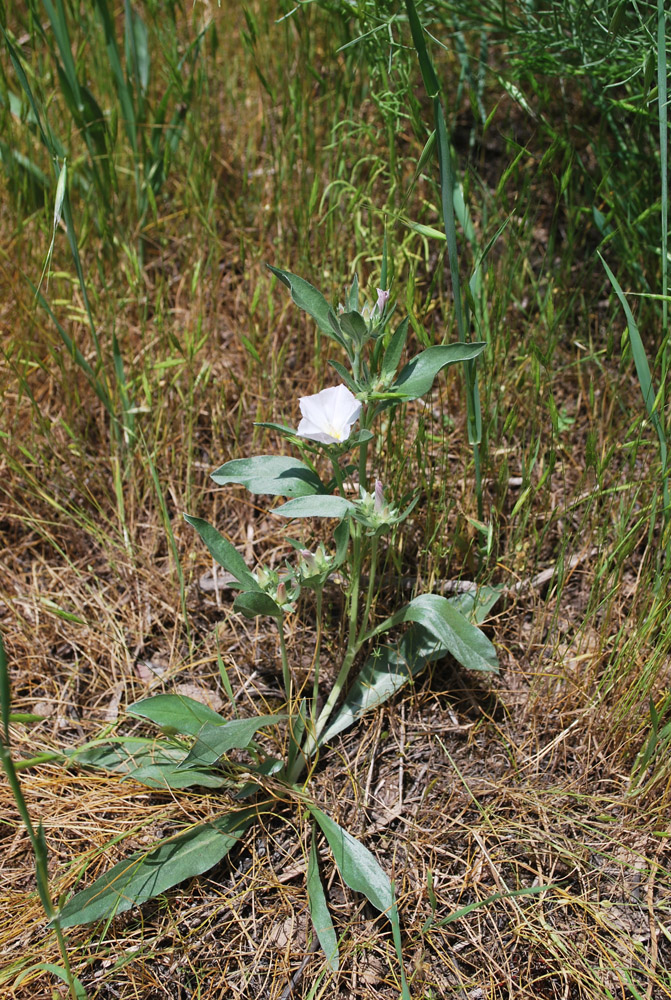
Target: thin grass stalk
[
  {"x": 167, "y": 525},
  {"x": 447, "y": 187},
  {"x": 663, "y": 163},
  {"x": 37, "y": 838}
]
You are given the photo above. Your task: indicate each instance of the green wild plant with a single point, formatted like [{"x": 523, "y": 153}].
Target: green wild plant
[{"x": 196, "y": 743}]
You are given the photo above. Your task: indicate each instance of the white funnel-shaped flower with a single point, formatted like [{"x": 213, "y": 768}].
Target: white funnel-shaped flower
[{"x": 328, "y": 416}]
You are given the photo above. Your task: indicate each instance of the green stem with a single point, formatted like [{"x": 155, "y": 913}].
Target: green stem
[
  {"x": 337, "y": 473},
  {"x": 363, "y": 452},
  {"x": 317, "y": 656},
  {"x": 286, "y": 673},
  {"x": 39, "y": 847},
  {"x": 353, "y": 647},
  {"x": 478, "y": 481},
  {"x": 371, "y": 589}
]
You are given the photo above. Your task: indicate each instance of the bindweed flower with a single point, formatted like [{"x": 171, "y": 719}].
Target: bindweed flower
[
  {"x": 329, "y": 415},
  {"x": 382, "y": 299}
]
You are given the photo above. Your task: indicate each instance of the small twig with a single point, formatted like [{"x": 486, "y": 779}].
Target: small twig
[{"x": 293, "y": 982}]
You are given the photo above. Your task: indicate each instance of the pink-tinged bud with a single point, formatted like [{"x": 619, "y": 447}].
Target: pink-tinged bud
[
  {"x": 281, "y": 595},
  {"x": 379, "y": 496},
  {"x": 382, "y": 298},
  {"x": 308, "y": 559}
]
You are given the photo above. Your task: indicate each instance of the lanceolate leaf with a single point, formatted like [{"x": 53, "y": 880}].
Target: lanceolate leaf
[
  {"x": 274, "y": 475},
  {"x": 392, "y": 355},
  {"x": 361, "y": 871},
  {"x": 319, "y": 911},
  {"x": 325, "y": 506},
  {"x": 176, "y": 713},
  {"x": 383, "y": 674},
  {"x": 216, "y": 740},
  {"x": 223, "y": 552},
  {"x": 306, "y": 298},
  {"x": 359, "y": 868},
  {"x": 465, "y": 642},
  {"x": 143, "y": 876},
  {"x": 417, "y": 377},
  {"x": 151, "y": 763}
]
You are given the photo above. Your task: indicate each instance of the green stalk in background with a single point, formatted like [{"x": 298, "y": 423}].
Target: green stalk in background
[
  {"x": 37, "y": 838},
  {"x": 447, "y": 188},
  {"x": 663, "y": 163}
]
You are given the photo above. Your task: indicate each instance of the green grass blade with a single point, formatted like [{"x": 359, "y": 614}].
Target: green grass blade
[
  {"x": 122, "y": 89},
  {"x": 645, "y": 382},
  {"x": 426, "y": 66},
  {"x": 664, "y": 167}
]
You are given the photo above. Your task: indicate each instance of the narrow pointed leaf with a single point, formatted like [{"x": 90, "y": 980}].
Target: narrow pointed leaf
[
  {"x": 153, "y": 764},
  {"x": 476, "y": 604},
  {"x": 359, "y": 868},
  {"x": 361, "y": 871},
  {"x": 223, "y": 552},
  {"x": 345, "y": 376},
  {"x": 216, "y": 740},
  {"x": 465, "y": 642},
  {"x": 322, "y": 506},
  {"x": 306, "y": 297},
  {"x": 392, "y": 355},
  {"x": 176, "y": 713},
  {"x": 384, "y": 673},
  {"x": 417, "y": 377},
  {"x": 141, "y": 877},
  {"x": 353, "y": 297},
  {"x": 275, "y": 475},
  {"x": 354, "y": 325},
  {"x": 319, "y": 911}
]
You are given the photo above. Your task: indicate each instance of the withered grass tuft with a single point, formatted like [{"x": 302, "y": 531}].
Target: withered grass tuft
[{"x": 554, "y": 775}]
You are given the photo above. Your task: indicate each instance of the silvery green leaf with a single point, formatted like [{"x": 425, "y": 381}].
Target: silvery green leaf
[
  {"x": 477, "y": 603},
  {"x": 150, "y": 762},
  {"x": 392, "y": 355},
  {"x": 361, "y": 871},
  {"x": 214, "y": 740},
  {"x": 306, "y": 297},
  {"x": 354, "y": 325},
  {"x": 384, "y": 673},
  {"x": 416, "y": 378},
  {"x": 467, "y": 644},
  {"x": 275, "y": 475},
  {"x": 344, "y": 375},
  {"x": 316, "y": 506},
  {"x": 253, "y": 603},
  {"x": 175, "y": 713},
  {"x": 142, "y": 876},
  {"x": 319, "y": 911},
  {"x": 223, "y": 552}
]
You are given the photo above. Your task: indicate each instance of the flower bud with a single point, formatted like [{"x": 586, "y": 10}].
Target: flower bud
[{"x": 382, "y": 299}]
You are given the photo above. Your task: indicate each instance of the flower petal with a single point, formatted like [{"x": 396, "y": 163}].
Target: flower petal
[
  {"x": 307, "y": 429},
  {"x": 328, "y": 416}
]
